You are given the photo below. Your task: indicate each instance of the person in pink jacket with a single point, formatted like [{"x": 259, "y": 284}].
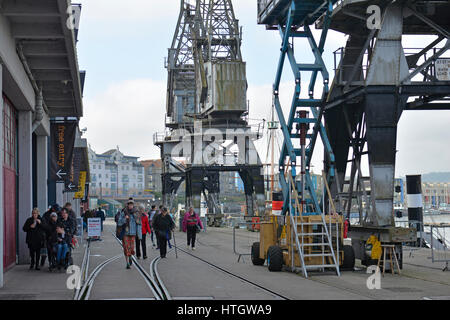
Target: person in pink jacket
[{"x": 190, "y": 222}]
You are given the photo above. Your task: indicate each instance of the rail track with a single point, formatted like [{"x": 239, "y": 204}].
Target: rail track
[{"x": 152, "y": 278}]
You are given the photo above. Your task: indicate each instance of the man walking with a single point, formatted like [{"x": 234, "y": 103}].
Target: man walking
[
  {"x": 128, "y": 219},
  {"x": 164, "y": 226}
]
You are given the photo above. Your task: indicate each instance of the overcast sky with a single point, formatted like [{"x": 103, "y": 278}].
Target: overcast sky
[{"x": 122, "y": 45}]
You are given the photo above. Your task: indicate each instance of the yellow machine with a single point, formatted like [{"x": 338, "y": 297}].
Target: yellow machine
[
  {"x": 279, "y": 247},
  {"x": 305, "y": 241}
]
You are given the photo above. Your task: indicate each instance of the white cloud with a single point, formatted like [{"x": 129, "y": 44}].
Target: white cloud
[
  {"x": 127, "y": 115},
  {"x": 130, "y": 10}
]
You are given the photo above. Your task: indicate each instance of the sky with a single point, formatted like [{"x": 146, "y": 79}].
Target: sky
[{"x": 122, "y": 46}]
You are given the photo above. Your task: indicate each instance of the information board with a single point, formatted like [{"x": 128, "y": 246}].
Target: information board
[{"x": 94, "y": 227}]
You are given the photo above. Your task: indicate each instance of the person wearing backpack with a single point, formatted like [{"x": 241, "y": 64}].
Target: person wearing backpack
[
  {"x": 130, "y": 221},
  {"x": 164, "y": 226},
  {"x": 191, "y": 223}
]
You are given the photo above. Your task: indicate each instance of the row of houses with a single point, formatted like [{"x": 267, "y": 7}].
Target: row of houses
[{"x": 115, "y": 175}]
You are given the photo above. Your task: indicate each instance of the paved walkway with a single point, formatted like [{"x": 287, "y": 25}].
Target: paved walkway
[
  {"x": 188, "y": 278},
  {"x": 24, "y": 284}
]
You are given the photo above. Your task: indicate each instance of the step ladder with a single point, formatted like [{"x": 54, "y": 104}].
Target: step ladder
[{"x": 323, "y": 232}]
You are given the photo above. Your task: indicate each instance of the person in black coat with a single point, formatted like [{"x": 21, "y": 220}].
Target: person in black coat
[
  {"x": 54, "y": 208},
  {"x": 46, "y": 218},
  {"x": 100, "y": 214},
  {"x": 67, "y": 223},
  {"x": 35, "y": 237},
  {"x": 51, "y": 238},
  {"x": 164, "y": 226}
]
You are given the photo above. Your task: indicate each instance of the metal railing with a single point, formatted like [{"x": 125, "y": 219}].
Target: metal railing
[
  {"x": 440, "y": 244},
  {"x": 415, "y": 57},
  {"x": 239, "y": 224}
]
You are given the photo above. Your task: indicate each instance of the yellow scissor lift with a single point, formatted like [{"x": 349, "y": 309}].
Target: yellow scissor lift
[{"x": 317, "y": 243}]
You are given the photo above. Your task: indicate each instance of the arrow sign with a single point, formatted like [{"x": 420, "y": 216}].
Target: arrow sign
[
  {"x": 71, "y": 186},
  {"x": 60, "y": 174},
  {"x": 62, "y": 144}
]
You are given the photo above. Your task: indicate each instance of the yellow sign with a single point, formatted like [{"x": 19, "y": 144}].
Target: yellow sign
[{"x": 82, "y": 184}]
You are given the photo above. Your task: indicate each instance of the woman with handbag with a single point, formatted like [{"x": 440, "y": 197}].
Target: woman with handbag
[
  {"x": 130, "y": 222},
  {"x": 191, "y": 223},
  {"x": 35, "y": 237}
]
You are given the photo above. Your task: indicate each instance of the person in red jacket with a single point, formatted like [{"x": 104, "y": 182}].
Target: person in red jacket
[
  {"x": 190, "y": 222},
  {"x": 145, "y": 230}
]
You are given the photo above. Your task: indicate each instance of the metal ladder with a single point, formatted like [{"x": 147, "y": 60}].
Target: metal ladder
[{"x": 324, "y": 233}]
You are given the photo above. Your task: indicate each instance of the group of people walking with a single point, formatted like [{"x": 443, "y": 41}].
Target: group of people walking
[
  {"x": 51, "y": 235},
  {"x": 134, "y": 224}
]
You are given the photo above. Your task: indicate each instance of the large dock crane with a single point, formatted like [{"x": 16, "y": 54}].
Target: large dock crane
[
  {"x": 207, "y": 128},
  {"x": 375, "y": 82}
]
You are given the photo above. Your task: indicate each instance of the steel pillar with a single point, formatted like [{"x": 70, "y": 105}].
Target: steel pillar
[{"x": 388, "y": 67}]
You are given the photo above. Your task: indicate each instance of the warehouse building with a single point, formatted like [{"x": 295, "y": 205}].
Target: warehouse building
[{"x": 41, "y": 87}]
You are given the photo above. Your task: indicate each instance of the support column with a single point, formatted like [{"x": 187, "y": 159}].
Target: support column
[
  {"x": 383, "y": 109},
  {"x": 25, "y": 190},
  {"x": 2, "y": 234},
  {"x": 42, "y": 173}
]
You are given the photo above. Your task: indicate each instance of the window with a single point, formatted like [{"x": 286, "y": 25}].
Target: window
[
  {"x": 107, "y": 185},
  {"x": 95, "y": 166},
  {"x": 107, "y": 176},
  {"x": 100, "y": 176},
  {"x": 9, "y": 135}
]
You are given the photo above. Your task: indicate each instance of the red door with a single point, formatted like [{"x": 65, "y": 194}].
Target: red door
[
  {"x": 9, "y": 207},
  {"x": 9, "y": 182}
]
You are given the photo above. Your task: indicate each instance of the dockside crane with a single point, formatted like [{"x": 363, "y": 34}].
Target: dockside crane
[{"x": 207, "y": 111}]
